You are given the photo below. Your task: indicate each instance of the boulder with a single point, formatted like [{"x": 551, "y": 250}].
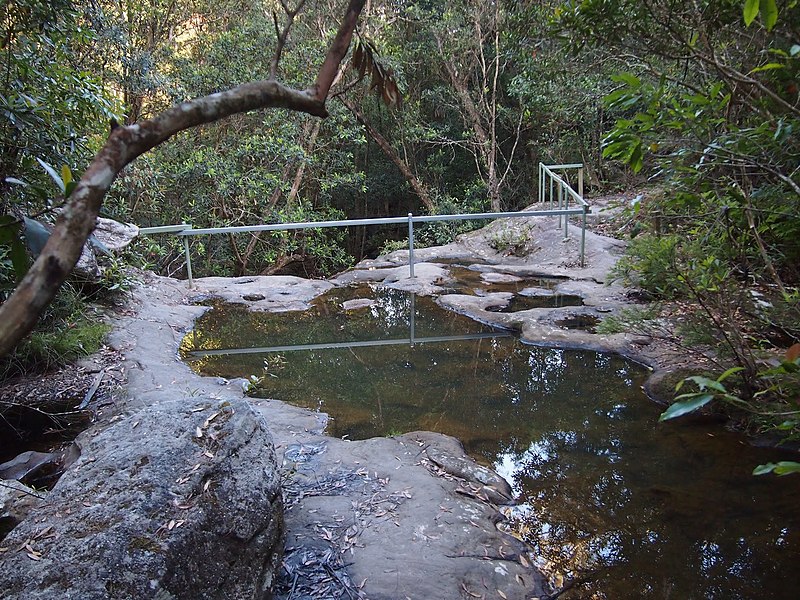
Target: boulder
[
  {"x": 17, "y": 501},
  {"x": 193, "y": 512}
]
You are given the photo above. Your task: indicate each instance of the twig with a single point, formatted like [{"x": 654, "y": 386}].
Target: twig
[{"x": 11, "y": 487}]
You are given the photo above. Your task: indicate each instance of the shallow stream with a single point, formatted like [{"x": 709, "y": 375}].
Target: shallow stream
[{"x": 611, "y": 500}]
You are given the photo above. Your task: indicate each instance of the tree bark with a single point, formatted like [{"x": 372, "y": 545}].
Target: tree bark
[{"x": 20, "y": 312}]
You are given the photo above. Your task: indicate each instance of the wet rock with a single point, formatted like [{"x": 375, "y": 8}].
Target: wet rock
[
  {"x": 195, "y": 512},
  {"x": 269, "y": 293}
]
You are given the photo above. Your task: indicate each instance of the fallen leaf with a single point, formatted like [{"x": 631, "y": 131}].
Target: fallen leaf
[
  {"x": 208, "y": 454},
  {"x": 198, "y": 433},
  {"x": 209, "y": 419},
  {"x": 33, "y": 556},
  {"x": 502, "y": 595},
  {"x": 523, "y": 561}
]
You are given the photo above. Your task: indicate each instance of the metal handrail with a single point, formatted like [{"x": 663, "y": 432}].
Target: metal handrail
[
  {"x": 185, "y": 230},
  {"x": 564, "y": 192}
]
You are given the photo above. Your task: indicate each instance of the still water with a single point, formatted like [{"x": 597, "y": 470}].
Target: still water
[{"x": 611, "y": 500}]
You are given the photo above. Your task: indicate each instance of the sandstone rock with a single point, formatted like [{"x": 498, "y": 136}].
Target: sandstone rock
[
  {"x": 500, "y": 278},
  {"x": 447, "y": 453},
  {"x": 17, "y": 501},
  {"x": 357, "y": 303},
  {"x": 115, "y": 235},
  {"x": 194, "y": 512}
]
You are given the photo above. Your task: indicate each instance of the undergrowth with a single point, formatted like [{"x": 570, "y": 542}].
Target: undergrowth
[{"x": 68, "y": 330}]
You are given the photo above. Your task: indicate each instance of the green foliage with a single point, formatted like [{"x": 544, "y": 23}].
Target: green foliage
[
  {"x": 652, "y": 264},
  {"x": 708, "y": 390},
  {"x": 785, "y": 467},
  {"x": 635, "y": 319},
  {"x": 50, "y": 102},
  {"x": 511, "y": 241},
  {"x": 771, "y": 404}
]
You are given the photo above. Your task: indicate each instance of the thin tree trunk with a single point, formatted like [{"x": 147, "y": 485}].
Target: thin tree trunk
[{"x": 391, "y": 153}]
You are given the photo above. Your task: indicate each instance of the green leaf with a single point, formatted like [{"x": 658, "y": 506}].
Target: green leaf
[
  {"x": 70, "y": 188},
  {"x": 628, "y": 79},
  {"x": 785, "y": 467},
  {"x": 66, "y": 175},
  {"x": 53, "y": 175},
  {"x": 750, "y": 11},
  {"x": 19, "y": 258},
  {"x": 681, "y": 408},
  {"x": 705, "y": 383},
  {"x": 764, "y": 469},
  {"x": 767, "y": 67},
  {"x": 729, "y": 372},
  {"x": 769, "y": 13}
]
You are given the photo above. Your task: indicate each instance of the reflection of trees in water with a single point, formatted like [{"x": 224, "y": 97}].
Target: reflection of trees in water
[{"x": 613, "y": 499}]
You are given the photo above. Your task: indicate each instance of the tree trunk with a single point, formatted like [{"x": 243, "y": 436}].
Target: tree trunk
[
  {"x": 19, "y": 313},
  {"x": 391, "y": 153}
]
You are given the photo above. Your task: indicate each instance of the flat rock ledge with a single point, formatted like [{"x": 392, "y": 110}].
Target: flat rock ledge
[
  {"x": 180, "y": 499},
  {"x": 176, "y": 493}
]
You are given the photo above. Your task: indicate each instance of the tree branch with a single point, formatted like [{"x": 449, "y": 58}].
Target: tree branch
[
  {"x": 20, "y": 312},
  {"x": 337, "y": 51}
]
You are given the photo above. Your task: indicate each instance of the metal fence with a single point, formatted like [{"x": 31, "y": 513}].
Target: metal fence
[{"x": 559, "y": 196}]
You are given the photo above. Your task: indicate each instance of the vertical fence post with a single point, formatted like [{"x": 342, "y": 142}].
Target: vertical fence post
[
  {"x": 541, "y": 184},
  {"x": 410, "y": 245},
  {"x": 583, "y": 235},
  {"x": 566, "y": 217},
  {"x": 580, "y": 182},
  {"x": 188, "y": 260},
  {"x": 551, "y": 189}
]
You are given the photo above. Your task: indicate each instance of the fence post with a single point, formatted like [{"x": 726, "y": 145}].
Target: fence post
[
  {"x": 541, "y": 184},
  {"x": 566, "y": 217},
  {"x": 188, "y": 260},
  {"x": 410, "y": 245},
  {"x": 583, "y": 235},
  {"x": 580, "y": 182}
]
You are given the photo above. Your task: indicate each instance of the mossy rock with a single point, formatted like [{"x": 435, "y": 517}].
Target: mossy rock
[{"x": 660, "y": 386}]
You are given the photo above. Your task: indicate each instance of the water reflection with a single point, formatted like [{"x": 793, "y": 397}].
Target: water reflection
[{"x": 622, "y": 506}]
